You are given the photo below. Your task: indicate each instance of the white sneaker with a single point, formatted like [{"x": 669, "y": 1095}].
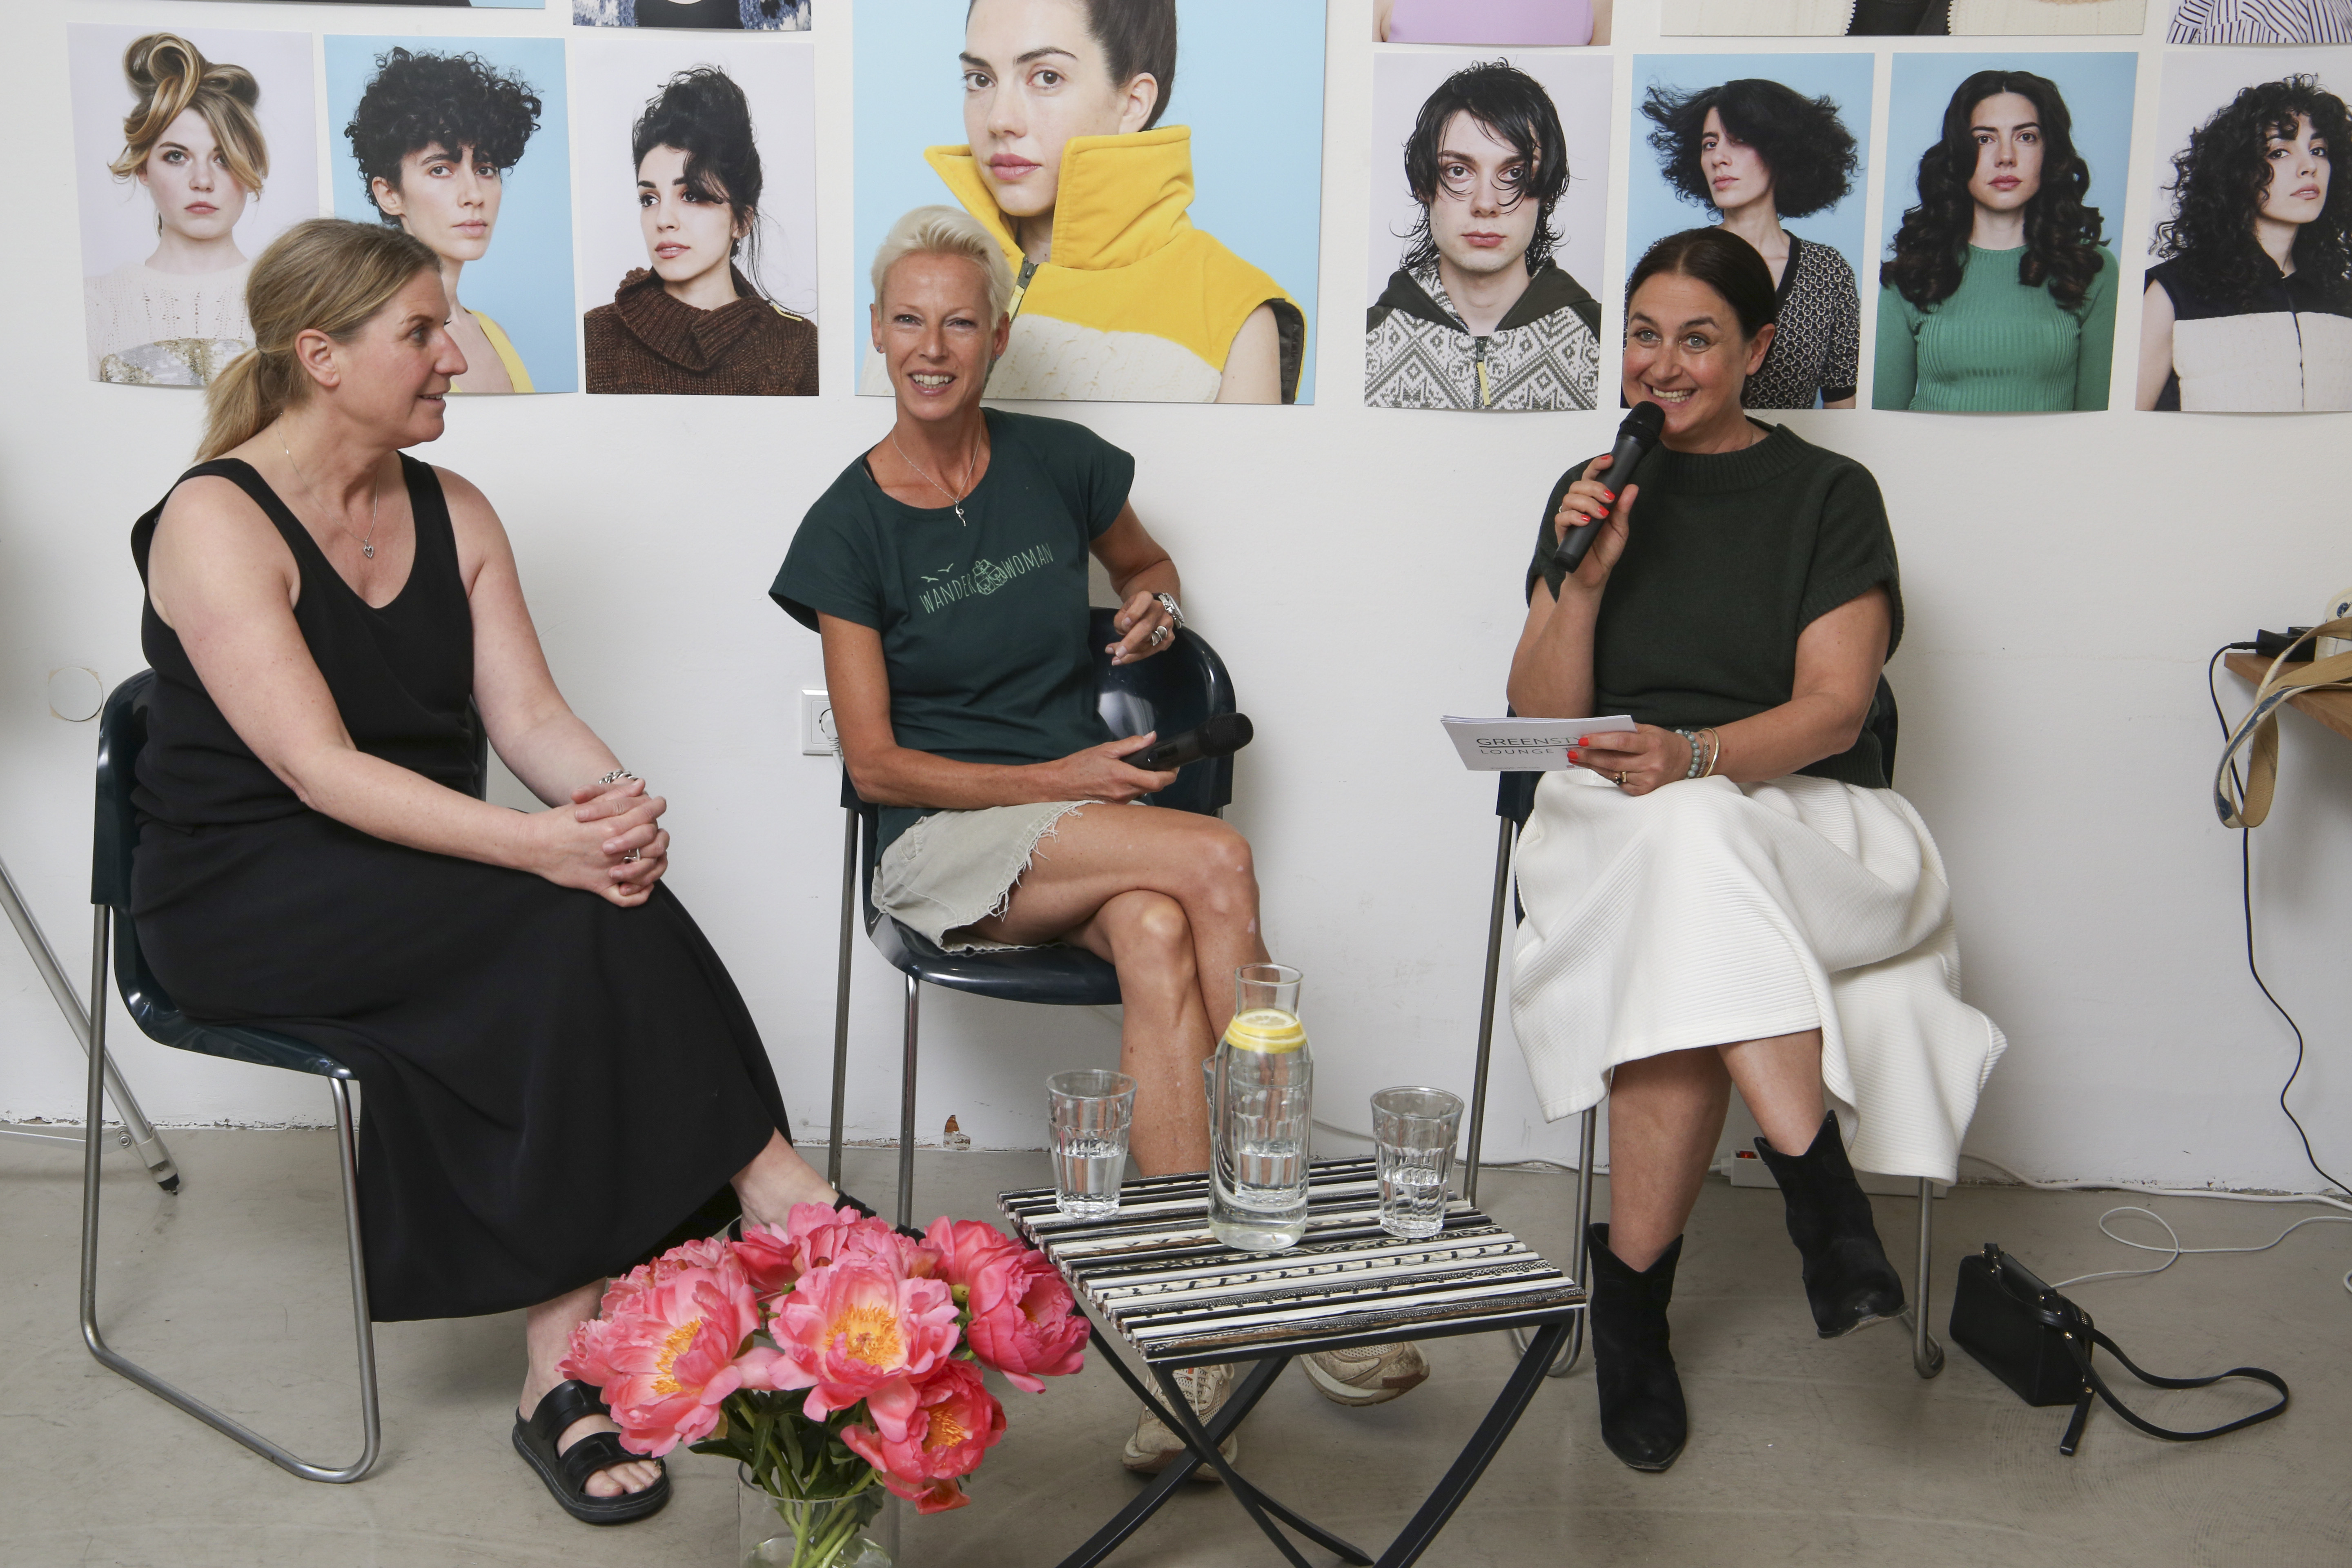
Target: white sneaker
[
  {"x": 1373, "y": 1374},
  {"x": 1154, "y": 1446}
]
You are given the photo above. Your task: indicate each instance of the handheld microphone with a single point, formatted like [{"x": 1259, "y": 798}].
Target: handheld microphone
[
  {"x": 1636, "y": 436},
  {"x": 1220, "y": 737}
]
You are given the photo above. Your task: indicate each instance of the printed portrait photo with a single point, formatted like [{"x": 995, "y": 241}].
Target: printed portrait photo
[
  {"x": 729, "y": 16},
  {"x": 2006, "y": 177},
  {"x": 2262, "y": 22},
  {"x": 1515, "y": 24},
  {"x": 1899, "y": 18},
  {"x": 193, "y": 151},
  {"x": 1490, "y": 200},
  {"x": 461, "y": 141},
  {"x": 477, "y": 4},
  {"x": 1777, "y": 160},
  {"x": 698, "y": 220},
  {"x": 1151, "y": 168},
  {"x": 2248, "y": 296}
]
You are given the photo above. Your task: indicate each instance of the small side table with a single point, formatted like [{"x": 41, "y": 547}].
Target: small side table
[{"x": 1179, "y": 1299}]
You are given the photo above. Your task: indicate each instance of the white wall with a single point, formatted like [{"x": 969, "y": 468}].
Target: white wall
[{"x": 2067, "y": 577}]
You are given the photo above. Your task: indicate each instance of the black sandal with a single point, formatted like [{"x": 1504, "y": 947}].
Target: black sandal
[{"x": 566, "y": 1474}]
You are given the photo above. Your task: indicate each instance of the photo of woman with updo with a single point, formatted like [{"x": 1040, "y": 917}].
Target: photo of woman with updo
[
  {"x": 2000, "y": 294},
  {"x": 695, "y": 319},
  {"x": 434, "y": 136},
  {"x": 1757, "y": 151},
  {"x": 185, "y": 131},
  {"x": 2249, "y": 307}
]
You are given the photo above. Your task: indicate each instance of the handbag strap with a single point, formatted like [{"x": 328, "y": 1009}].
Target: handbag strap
[
  {"x": 2257, "y": 732},
  {"x": 2077, "y": 1343}
]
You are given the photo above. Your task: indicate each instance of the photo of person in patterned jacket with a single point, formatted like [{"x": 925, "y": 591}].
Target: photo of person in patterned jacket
[{"x": 1477, "y": 316}]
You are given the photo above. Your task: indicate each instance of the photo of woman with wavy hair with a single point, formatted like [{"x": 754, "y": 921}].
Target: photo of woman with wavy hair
[
  {"x": 2249, "y": 307},
  {"x": 1998, "y": 295},
  {"x": 694, "y": 318},
  {"x": 434, "y": 135},
  {"x": 1757, "y": 151},
  {"x": 192, "y": 140}
]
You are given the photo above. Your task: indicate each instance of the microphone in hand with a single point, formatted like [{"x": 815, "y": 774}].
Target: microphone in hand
[
  {"x": 1636, "y": 436},
  {"x": 1221, "y": 736}
]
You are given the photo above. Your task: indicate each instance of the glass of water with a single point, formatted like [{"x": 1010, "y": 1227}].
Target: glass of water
[
  {"x": 1414, "y": 1130},
  {"x": 1093, "y": 1112}
]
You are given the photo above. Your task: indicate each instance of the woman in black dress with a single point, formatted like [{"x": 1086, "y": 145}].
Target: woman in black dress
[{"x": 558, "y": 1075}]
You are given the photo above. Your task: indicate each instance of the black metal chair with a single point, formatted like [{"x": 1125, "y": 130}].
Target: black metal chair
[
  {"x": 1170, "y": 693},
  {"x": 122, "y": 731},
  {"x": 1515, "y": 797}
]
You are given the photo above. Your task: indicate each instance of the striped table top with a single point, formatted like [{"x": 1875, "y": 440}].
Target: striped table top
[{"x": 1154, "y": 1273}]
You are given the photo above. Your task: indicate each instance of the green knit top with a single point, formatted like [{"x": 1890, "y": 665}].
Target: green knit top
[{"x": 1996, "y": 345}]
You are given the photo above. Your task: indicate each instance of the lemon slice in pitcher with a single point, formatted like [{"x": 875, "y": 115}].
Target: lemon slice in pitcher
[{"x": 1269, "y": 1031}]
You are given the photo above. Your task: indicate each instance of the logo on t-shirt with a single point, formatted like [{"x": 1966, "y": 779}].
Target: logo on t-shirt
[{"x": 985, "y": 578}]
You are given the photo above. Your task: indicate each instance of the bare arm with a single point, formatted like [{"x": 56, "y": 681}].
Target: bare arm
[
  {"x": 1552, "y": 669},
  {"x": 883, "y": 772},
  {"x": 1254, "y": 364},
  {"x": 222, "y": 578},
  {"x": 2156, "y": 321},
  {"x": 1138, "y": 569}
]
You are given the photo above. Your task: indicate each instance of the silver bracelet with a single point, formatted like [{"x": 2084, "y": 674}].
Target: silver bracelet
[
  {"x": 1690, "y": 736},
  {"x": 616, "y": 775}
]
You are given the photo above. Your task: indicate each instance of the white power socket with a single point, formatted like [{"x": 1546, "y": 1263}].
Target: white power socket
[{"x": 817, "y": 739}]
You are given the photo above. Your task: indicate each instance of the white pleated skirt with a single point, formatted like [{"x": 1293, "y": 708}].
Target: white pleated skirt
[{"x": 1708, "y": 912}]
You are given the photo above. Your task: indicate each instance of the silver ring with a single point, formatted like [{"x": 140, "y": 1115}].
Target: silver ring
[
  {"x": 632, "y": 854},
  {"x": 1158, "y": 635}
]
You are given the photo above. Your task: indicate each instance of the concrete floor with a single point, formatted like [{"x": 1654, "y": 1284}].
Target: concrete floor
[{"x": 1802, "y": 1452}]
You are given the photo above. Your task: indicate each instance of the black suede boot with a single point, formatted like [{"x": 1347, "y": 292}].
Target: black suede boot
[
  {"x": 1642, "y": 1418},
  {"x": 1847, "y": 1278}
]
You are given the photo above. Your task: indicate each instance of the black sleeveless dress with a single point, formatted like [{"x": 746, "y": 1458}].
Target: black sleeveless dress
[{"x": 551, "y": 1085}]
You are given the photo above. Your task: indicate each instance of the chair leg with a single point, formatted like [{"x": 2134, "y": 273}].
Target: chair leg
[
  {"x": 346, "y": 1147},
  {"x": 841, "y": 996},
  {"x": 1487, "y": 1008},
  {"x": 1927, "y": 1356},
  {"x": 907, "y": 1108},
  {"x": 1571, "y": 1347}
]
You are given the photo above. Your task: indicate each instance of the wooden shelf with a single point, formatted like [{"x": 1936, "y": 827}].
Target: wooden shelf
[{"x": 2333, "y": 709}]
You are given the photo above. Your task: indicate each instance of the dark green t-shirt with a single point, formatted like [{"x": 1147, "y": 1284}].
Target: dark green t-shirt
[
  {"x": 1729, "y": 557},
  {"x": 983, "y": 623}
]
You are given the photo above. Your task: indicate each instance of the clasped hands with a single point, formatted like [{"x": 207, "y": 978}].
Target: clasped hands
[{"x": 609, "y": 841}]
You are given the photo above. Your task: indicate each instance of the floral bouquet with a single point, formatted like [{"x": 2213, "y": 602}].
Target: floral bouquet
[{"x": 831, "y": 1355}]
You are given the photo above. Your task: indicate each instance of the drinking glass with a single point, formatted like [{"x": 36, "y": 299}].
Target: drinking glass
[
  {"x": 1414, "y": 1130},
  {"x": 1093, "y": 1112}
]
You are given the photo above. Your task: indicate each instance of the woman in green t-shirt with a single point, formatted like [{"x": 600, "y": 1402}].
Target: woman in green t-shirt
[
  {"x": 1999, "y": 296},
  {"x": 946, "y": 570},
  {"x": 1729, "y": 893}
]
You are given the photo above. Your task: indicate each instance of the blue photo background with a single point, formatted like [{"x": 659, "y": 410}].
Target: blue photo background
[
  {"x": 524, "y": 280},
  {"x": 2097, "y": 88},
  {"x": 1652, "y": 207},
  {"x": 1249, "y": 82}
]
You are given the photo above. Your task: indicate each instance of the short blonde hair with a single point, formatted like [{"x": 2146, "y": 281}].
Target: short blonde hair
[
  {"x": 946, "y": 231},
  {"x": 172, "y": 76},
  {"x": 324, "y": 273}
]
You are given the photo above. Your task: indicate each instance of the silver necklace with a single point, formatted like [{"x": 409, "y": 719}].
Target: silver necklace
[
  {"x": 955, "y": 502},
  {"x": 375, "y": 502}
]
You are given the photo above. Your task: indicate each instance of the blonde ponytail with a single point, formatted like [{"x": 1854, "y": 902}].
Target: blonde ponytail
[{"x": 324, "y": 275}]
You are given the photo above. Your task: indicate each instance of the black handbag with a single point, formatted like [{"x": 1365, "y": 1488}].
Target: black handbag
[{"x": 2039, "y": 1344}]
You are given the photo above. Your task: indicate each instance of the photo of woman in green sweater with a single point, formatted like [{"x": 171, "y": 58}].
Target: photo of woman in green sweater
[{"x": 1999, "y": 296}]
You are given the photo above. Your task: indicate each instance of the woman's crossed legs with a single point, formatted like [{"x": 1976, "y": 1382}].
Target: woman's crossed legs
[{"x": 1170, "y": 897}]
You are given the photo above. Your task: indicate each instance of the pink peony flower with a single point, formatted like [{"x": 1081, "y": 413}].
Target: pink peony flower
[
  {"x": 712, "y": 1253},
  {"x": 813, "y": 1235},
  {"x": 860, "y": 1330},
  {"x": 956, "y": 1421},
  {"x": 670, "y": 1353},
  {"x": 1024, "y": 1322},
  {"x": 966, "y": 1247}
]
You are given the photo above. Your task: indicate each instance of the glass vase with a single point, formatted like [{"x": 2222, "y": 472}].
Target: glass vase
[{"x": 814, "y": 1533}]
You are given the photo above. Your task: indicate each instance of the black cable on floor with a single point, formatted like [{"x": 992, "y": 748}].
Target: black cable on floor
[{"x": 2246, "y": 900}]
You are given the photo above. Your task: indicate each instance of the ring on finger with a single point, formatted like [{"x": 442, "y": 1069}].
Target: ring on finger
[
  {"x": 1621, "y": 778},
  {"x": 632, "y": 855},
  {"x": 1158, "y": 635}
]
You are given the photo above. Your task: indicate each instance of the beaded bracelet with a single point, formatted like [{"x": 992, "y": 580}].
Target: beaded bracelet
[{"x": 1690, "y": 738}]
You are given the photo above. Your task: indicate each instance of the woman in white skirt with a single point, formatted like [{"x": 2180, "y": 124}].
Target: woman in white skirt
[
  {"x": 946, "y": 569},
  {"x": 1730, "y": 893}
]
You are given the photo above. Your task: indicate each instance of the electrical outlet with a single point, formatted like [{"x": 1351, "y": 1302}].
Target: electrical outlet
[{"x": 817, "y": 739}]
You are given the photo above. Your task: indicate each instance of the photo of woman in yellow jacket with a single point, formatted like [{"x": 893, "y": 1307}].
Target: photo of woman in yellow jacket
[{"x": 1119, "y": 297}]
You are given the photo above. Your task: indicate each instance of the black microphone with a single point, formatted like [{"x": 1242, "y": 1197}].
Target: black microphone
[
  {"x": 1636, "y": 436},
  {"x": 1220, "y": 737}
]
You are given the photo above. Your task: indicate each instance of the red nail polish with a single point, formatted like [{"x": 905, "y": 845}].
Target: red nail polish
[
  {"x": 1573, "y": 756},
  {"x": 1610, "y": 496}
]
